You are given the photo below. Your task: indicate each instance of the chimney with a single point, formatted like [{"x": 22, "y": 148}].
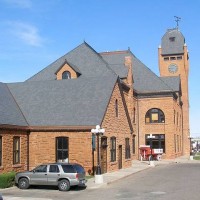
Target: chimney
[{"x": 128, "y": 64}]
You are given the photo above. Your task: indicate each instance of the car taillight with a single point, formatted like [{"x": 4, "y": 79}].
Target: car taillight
[{"x": 76, "y": 176}]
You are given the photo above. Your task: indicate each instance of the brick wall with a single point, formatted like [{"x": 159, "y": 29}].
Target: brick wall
[
  {"x": 169, "y": 128},
  {"x": 42, "y": 144},
  {"x": 183, "y": 72},
  {"x": 118, "y": 127},
  {"x": 7, "y": 151},
  {"x": 43, "y": 147}
]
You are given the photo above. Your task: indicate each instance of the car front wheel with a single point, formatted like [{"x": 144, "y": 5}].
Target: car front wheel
[
  {"x": 23, "y": 183},
  {"x": 64, "y": 185}
]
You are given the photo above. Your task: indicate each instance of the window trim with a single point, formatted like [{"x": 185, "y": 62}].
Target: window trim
[
  {"x": 16, "y": 150},
  {"x": 160, "y": 138},
  {"x": 149, "y": 116},
  {"x": 127, "y": 149},
  {"x": 133, "y": 145},
  {"x": 113, "y": 149},
  {"x": 116, "y": 108},
  {"x": 62, "y": 150},
  {"x": 66, "y": 75}
]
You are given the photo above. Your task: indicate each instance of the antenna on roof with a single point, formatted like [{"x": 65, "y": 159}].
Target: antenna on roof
[{"x": 177, "y": 19}]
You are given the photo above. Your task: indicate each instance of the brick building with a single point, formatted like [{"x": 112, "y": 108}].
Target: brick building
[{"x": 49, "y": 117}]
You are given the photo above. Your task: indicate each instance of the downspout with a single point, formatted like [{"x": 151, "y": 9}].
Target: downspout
[
  {"x": 28, "y": 134},
  {"x": 183, "y": 138},
  {"x": 138, "y": 128}
]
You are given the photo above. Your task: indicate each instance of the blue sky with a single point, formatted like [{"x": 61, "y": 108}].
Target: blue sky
[{"x": 34, "y": 33}]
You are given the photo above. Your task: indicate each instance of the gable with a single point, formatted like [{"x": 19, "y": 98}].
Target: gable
[
  {"x": 84, "y": 57},
  {"x": 66, "y": 67},
  {"x": 122, "y": 119}
]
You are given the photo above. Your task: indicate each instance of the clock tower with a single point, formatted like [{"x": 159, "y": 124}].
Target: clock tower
[{"x": 174, "y": 61}]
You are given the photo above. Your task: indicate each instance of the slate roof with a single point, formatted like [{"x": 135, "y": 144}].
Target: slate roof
[
  {"x": 10, "y": 113},
  {"x": 73, "y": 102},
  {"x": 144, "y": 79},
  {"x": 172, "y": 47},
  {"x": 84, "y": 57},
  {"x": 173, "y": 82}
]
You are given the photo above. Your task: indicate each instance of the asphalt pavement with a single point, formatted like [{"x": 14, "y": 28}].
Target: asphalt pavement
[{"x": 108, "y": 178}]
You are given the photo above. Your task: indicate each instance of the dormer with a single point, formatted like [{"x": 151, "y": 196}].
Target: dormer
[{"x": 67, "y": 71}]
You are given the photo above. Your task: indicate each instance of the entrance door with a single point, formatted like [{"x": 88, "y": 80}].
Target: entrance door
[
  {"x": 120, "y": 157},
  {"x": 103, "y": 155}
]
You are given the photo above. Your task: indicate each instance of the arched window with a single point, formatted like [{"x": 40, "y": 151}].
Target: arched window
[
  {"x": 155, "y": 115},
  {"x": 66, "y": 75}
]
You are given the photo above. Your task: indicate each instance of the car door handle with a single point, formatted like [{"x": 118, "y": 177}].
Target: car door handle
[
  {"x": 58, "y": 174},
  {"x": 45, "y": 174}
]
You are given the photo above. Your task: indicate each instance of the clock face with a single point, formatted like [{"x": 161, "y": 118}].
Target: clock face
[{"x": 173, "y": 68}]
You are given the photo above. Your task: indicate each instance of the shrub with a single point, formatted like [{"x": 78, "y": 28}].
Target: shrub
[{"x": 7, "y": 179}]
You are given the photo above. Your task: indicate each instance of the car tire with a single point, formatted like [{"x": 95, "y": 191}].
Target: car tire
[
  {"x": 23, "y": 183},
  {"x": 64, "y": 185}
]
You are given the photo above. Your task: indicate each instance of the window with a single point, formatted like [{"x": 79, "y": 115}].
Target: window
[
  {"x": 68, "y": 169},
  {"x": 66, "y": 75},
  {"x": 174, "y": 116},
  {"x": 62, "y": 149},
  {"x": 0, "y": 150},
  {"x": 127, "y": 149},
  {"x": 116, "y": 108},
  {"x": 177, "y": 119},
  {"x": 166, "y": 58},
  {"x": 154, "y": 115},
  {"x": 134, "y": 115},
  {"x": 113, "y": 149},
  {"x": 172, "y": 58},
  {"x": 172, "y": 39},
  {"x": 54, "y": 169},
  {"x": 133, "y": 145},
  {"x": 157, "y": 143},
  {"x": 41, "y": 169},
  {"x": 179, "y": 57},
  {"x": 16, "y": 150}
]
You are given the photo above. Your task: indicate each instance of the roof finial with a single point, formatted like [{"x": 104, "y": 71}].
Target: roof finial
[{"x": 177, "y": 19}]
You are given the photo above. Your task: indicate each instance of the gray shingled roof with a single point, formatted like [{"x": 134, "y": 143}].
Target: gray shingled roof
[
  {"x": 10, "y": 113},
  {"x": 84, "y": 57},
  {"x": 74, "y": 102},
  {"x": 173, "y": 82},
  {"x": 144, "y": 79},
  {"x": 172, "y": 47}
]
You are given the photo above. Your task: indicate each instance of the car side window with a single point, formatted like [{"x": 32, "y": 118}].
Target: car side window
[
  {"x": 68, "y": 169},
  {"x": 53, "y": 169},
  {"x": 41, "y": 169}
]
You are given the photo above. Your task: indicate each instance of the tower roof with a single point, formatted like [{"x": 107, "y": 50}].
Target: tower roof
[{"x": 172, "y": 42}]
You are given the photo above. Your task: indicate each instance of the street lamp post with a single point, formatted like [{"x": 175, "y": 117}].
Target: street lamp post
[
  {"x": 98, "y": 131},
  {"x": 151, "y": 162}
]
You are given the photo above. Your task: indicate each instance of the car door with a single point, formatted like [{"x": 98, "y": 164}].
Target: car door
[
  {"x": 39, "y": 175},
  {"x": 53, "y": 175}
]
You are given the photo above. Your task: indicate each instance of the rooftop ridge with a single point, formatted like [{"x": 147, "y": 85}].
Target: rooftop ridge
[{"x": 114, "y": 52}]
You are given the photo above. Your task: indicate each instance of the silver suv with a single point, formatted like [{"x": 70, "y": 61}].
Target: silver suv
[{"x": 63, "y": 175}]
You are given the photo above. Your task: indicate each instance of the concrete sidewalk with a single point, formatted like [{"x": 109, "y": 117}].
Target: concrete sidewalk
[{"x": 137, "y": 166}]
